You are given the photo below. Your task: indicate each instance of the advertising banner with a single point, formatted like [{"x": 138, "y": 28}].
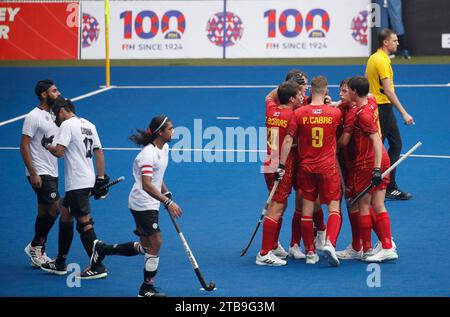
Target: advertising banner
[
  {"x": 231, "y": 29},
  {"x": 313, "y": 28},
  {"x": 39, "y": 30},
  {"x": 150, "y": 29}
]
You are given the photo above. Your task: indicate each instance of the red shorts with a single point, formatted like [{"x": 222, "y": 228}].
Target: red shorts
[
  {"x": 360, "y": 178},
  {"x": 327, "y": 185},
  {"x": 284, "y": 187}
]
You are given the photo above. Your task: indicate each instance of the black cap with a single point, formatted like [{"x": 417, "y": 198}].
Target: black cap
[{"x": 42, "y": 86}]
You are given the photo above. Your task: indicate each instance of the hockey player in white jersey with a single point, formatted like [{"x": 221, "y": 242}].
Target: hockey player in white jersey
[
  {"x": 78, "y": 142},
  {"x": 41, "y": 167},
  {"x": 148, "y": 192}
]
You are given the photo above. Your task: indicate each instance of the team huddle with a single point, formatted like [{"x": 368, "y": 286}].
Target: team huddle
[{"x": 325, "y": 150}]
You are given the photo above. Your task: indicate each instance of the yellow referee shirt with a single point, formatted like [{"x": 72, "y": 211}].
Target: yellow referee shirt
[{"x": 378, "y": 68}]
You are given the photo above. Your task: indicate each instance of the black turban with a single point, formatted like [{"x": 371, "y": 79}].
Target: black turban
[{"x": 43, "y": 86}]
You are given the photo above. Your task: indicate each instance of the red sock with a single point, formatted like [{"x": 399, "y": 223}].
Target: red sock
[
  {"x": 270, "y": 228},
  {"x": 296, "y": 227},
  {"x": 365, "y": 226},
  {"x": 356, "y": 236},
  {"x": 384, "y": 223},
  {"x": 333, "y": 225},
  {"x": 308, "y": 233},
  {"x": 375, "y": 226},
  {"x": 277, "y": 234},
  {"x": 340, "y": 226},
  {"x": 318, "y": 219}
]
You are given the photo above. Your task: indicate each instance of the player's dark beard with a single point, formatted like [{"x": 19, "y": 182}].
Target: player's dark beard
[{"x": 50, "y": 101}]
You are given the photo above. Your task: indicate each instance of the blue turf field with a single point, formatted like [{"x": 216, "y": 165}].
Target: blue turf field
[{"x": 222, "y": 201}]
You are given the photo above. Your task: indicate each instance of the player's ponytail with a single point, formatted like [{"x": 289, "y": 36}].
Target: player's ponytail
[{"x": 146, "y": 137}]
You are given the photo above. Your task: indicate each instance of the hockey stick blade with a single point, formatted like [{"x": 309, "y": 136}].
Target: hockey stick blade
[{"x": 210, "y": 287}]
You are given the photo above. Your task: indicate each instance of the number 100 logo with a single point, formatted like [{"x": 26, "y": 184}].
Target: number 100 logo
[
  {"x": 152, "y": 31},
  {"x": 297, "y": 28}
]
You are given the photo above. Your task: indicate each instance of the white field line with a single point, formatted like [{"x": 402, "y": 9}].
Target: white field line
[
  {"x": 228, "y": 118},
  {"x": 5, "y": 148},
  {"x": 262, "y": 86},
  {"x": 95, "y": 92}
]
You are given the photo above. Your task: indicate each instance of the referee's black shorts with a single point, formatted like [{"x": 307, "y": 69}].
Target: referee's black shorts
[
  {"x": 48, "y": 193},
  {"x": 77, "y": 201}
]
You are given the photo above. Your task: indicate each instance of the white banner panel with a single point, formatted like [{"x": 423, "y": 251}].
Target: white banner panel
[
  {"x": 155, "y": 29},
  {"x": 313, "y": 28},
  {"x": 248, "y": 29},
  {"x": 92, "y": 30}
]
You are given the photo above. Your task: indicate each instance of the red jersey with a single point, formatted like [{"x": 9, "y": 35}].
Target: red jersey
[
  {"x": 315, "y": 130},
  {"x": 365, "y": 123},
  {"x": 277, "y": 121},
  {"x": 271, "y": 103}
]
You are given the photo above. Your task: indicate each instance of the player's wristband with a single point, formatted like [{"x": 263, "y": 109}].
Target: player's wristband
[
  {"x": 168, "y": 194},
  {"x": 168, "y": 202}
]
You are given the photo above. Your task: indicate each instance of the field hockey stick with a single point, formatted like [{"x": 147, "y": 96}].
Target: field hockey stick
[
  {"x": 263, "y": 214},
  {"x": 366, "y": 190},
  {"x": 207, "y": 287},
  {"x": 112, "y": 183},
  {"x": 343, "y": 187}
]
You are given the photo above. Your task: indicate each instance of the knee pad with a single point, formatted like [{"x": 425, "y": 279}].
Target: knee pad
[
  {"x": 82, "y": 225},
  {"x": 151, "y": 262}
]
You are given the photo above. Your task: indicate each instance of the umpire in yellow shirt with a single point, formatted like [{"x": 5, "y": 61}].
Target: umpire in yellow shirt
[{"x": 381, "y": 79}]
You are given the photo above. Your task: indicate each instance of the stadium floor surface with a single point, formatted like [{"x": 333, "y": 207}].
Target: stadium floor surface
[{"x": 222, "y": 201}]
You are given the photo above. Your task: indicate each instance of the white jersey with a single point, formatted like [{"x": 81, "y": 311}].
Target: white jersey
[
  {"x": 80, "y": 139},
  {"x": 38, "y": 123},
  {"x": 151, "y": 161}
]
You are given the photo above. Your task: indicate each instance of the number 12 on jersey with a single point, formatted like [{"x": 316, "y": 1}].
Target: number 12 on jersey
[{"x": 317, "y": 137}]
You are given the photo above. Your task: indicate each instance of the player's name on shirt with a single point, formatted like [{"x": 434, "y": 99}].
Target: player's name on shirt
[
  {"x": 86, "y": 131},
  {"x": 277, "y": 122},
  {"x": 317, "y": 120}
]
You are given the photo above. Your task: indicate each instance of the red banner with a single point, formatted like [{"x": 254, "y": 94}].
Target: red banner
[{"x": 39, "y": 31}]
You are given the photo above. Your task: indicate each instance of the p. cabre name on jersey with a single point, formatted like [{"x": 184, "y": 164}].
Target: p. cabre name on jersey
[{"x": 317, "y": 120}]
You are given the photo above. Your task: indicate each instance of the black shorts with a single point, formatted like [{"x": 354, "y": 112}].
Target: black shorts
[
  {"x": 77, "y": 201},
  {"x": 146, "y": 222},
  {"x": 48, "y": 193}
]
